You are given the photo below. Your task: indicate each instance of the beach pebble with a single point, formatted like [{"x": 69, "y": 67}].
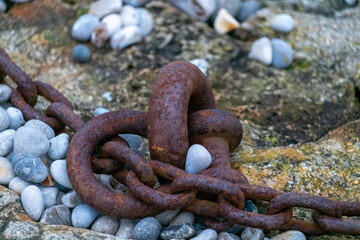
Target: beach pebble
[
  {"x": 29, "y": 167},
  {"x": 252, "y": 234},
  {"x": 6, "y": 147},
  {"x": 136, "y": 3},
  {"x": 134, "y": 141},
  {"x": 2, "y": 6},
  {"x": 197, "y": 159},
  {"x": 5, "y": 90},
  {"x": 201, "y": 10},
  {"x": 4, "y": 119},
  {"x": 227, "y": 236},
  {"x": 236, "y": 229},
  {"x": 16, "y": 117},
  {"x": 232, "y": 6},
  {"x": 59, "y": 197},
  {"x": 6, "y": 171},
  {"x": 183, "y": 231},
  {"x": 58, "y": 146},
  {"x": 71, "y": 199},
  {"x": 102, "y": 8},
  {"x": 202, "y": 64},
  {"x": 351, "y": 2},
  {"x": 105, "y": 224},
  {"x": 146, "y": 21},
  {"x": 224, "y": 22},
  {"x": 84, "y": 26},
  {"x": 59, "y": 173},
  {"x": 165, "y": 217},
  {"x": 290, "y": 235},
  {"x": 104, "y": 30},
  {"x": 147, "y": 229},
  {"x": 5, "y": 105},
  {"x": 82, "y": 216},
  {"x": 33, "y": 202},
  {"x": 81, "y": 53},
  {"x": 207, "y": 234},
  {"x": 7, "y": 134},
  {"x": 199, "y": 227},
  {"x": 125, "y": 37},
  {"x": 183, "y": 217},
  {"x": 20, "y": 1},
  {"x": 261, "y": 50},
  {"x": 49, "y": 194},
  {"x": 129, "y": 16},
  {"x": 250, "y": 207},
  {"x": 42, "y": 127},
  {"x": 100, "y": 110},
  {"x": 30, "y": 140},
  {"x": 57, "y": 215},
  {"x": 282, "y": 53},
  {"x": 17, "y": 185},
  {"x": 248, "y": 8},
  {"x": 282, "y": 23},
  {"x": 125, "y": 229}
]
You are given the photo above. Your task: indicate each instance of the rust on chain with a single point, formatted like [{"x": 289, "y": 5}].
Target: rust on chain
[
  {"x": 335, "y": 225},
  {"x": 65, "y": 114}
]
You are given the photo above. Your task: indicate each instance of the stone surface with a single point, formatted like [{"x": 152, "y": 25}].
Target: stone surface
[
  {"x": 165, "y": 217},
  {"x": 83, "y": 216},
  {"x": 42, "y": 127},
  {"x": 225, "y": 22},
  {"x": 282, "y": 23},
  {"x": 17, "y": 185},
  {"x": 81, "y": 53},
  {"x": 6, "y": 171},
  {"x": 6, "y": 147},
  {"x": 125, "y": 230},
  {"x": 105, "y": 224},
  {"x": 59, "y": 173},
  {"x": 5, "y": 91},
  {"x": 125, "y": 37},
  {"x": 33, "y": 202},
  {"x": 58, "y": 146},
  {"x": 49, "y": 194},
  {"x": 252, "y": 234},
  {"x": 146, "y": 21},
  {"x": 71, "y": 199},
  {"x": 290, "y": 235},
  {"x": 129, "y": 16},
  {"x": 102, "y": 8},
  {"x": 134, "y": 141},
  {"x": 57, "y": 215},
  {"x": 29, "y": 167},
  {"x": 4, "y": 119},
  {"x": 30, "y": 140},
  {"x": 207, "y": 234},
  {"x": 198, "y": 158},
  {"x": 227, "y": 236},
  {"x": 183, "y": 231},
  {"x": 100, "y": 110},
  {"x": 147, "y": 229},
  {"x": 247, "y": 9},
  {"x": 250, "y": 207},
  {"x": 262, "y": 51},
  {"x": 202, "y": 64},
  {"x": 84, "y": 26},
  {"x": 282, "y": 53},
  {"x": 183, "y": 217},
  {"x": 16, "y": 117}
]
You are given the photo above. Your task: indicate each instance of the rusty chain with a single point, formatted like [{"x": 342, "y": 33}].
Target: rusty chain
[{"x": 181, "y": 113}]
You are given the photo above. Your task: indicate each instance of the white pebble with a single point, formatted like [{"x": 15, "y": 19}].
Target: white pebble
[
  {"x": 282, "y": 23},
  {"x": 100, "y": 110},
  {"x": 18, "y": 185},
  {"x": 290, "y": 235},
  {"x": 129, "y": 16},
  {"x": 102, "y": 8},
  {"x": 84, "y": 26},
  {"x": 59, "y": 173},
  {"x": 202, "y": 64},
  {"x": 105, "y": 224},
  {"x": 33, "y": 202},
  {"x": 125, "y": 37},
  {"x": 42, "y": 127},
  {"x": 146, "y": 21},
  {"x": 71, "y": 199},
  {"x": 104, "y": 30},
  {"x": 5, "y": 91},
  {"x": 261, "y": 50},
  {"x": 207, "y": 234},
  {"x": 49, "y": 194},
  {"x": 224, "y": 22},
  {"x": 6, "y": 171},
  {"x": 197, "y": 159},
  {"x": 82, "y": 216},
  {"x": 16, "y": 117},
  {"x": 58, "y": 146},
  {"x": 6, "y": 147},
  {"x": 8, "y": 134},
  {"x": 31, "y": 140},
  {"x": 126, "y": 229},
  {"x": 4, "y": 119}
]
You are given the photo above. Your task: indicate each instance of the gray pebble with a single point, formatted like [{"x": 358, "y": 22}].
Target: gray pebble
[
  {"x": 6, "y": 147},
  {"x": 262, "y": 51},
  {"x": 59, "y": 173},
  {"x": 57, "y": 215},
  {"x": 105, "y": 224},
  {"x": 6, "y": 171},
  {"x": 7, "y": 134},
  {"x": 252, "y": 234},
  {"x": 33, "y": 202},
  {"x": 49, "y": 194},
  {"x": 100, "y": 110},
  {"x": 232, "y": 6},
  {"x": 125, "y": 37},
  {"x": 146, "y": 21},
  {"x": 83, "y": 216},
  {"x": 282, "y": 53},
  {"x": 5, "y": 105},
  {"x": 2, "y": 6},
  {"x": 248, "y": 8},
  {"x": 10, "y": 155},
  {"x": 30, "y": 140},
  {"x": 18, "y": 185},
  {"x": 4, "y": 119},
  {"x": 42, "y": 127},
  {"x": 134, "y": 141},
  {"x": 198, "y": 158},
  {"x": 207, "y": 234},
  {"x": 81, "y": 53},
  {"x": 58, "y": 198},
  {"x": 199, "y": 227},
  {"x": 29, "y": 167},
  {"x": 84, "y": 26},
  {"x": 16, "y": 117},
  {"x": 126, "y": 229},
  {"x": 71, "y": 199},
  {"x": 201, "y": 10},
  {"x": 58, "y": 146},
  {"x": 236, "y": 229},
  {"x": 183, "y": 217},
  {"x": 5, "y": 90},
  {"x": 290, "y": 235},
  {"x": 147, "y": 229},
  {"x": 184, "y": 230},
  {"x": 250, "y": 207},
  {"x": 351, "y": 2},
  {"x": 62, "y": 188},
  {"x": 136, "y": 3},
  {"x": 165, "y": 217},
  {"x": 227, "y": 236},
  {"x": 282, "y": 23}
]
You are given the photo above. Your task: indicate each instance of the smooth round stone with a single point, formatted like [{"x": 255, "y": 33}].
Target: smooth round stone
[
  {"x": 29, "y": 167},
  {"x": 5, "y": 90},
  {"x": 125, "y": 229},
  {"x": 165, "y": 217},
  {"x": 248, "y": 8},
  {"x": 202, "y": 64},
  {"x": 105, "y": 224},
  {"x": 30, "y": 140},
  {"x": 201, "y": 10},
  {"x": 2, "y": 6},
  {"x": 71, "y": 199},
  {"x": 84, "y": 26},
  {"x": 183, "y": 231},
  {"x": 6, "y": 171},
  {"x": 81, "y": 53},
  {"x": 62, "y": 188},
  {"x": 59, "y": 173},
  {"x": 82, "y": 216},
  {"x": 104, "y": 30},
  {"x": 134, "y": 141},
  {"x": 16, "y": 117},
  {"x": 5, "y": 147},
  {"x": 136, "y": 3},
  {"x": 262, "y": 51},
  {"x": 232, "y": 6},
  {"x": 129, "y": 16},
  {"x": 236, "y": 229},
  {"x": 18, "y": 185},
  {"x": 282, "y": 23},
  {"x": 146, "y": 21},
  {"x": 4, "y": 119},
  {"x": 33, "y": 202},
  {"x": 57, "y": 215},
  {"x": 197, "y": 159},
  {"x": 207, "y": 234},
  {"x": 227, "y": 236},
  {"x": 290, "y": 235},
  {"x": 351, "y": 2},
  {"x": 49, "y": 194},
  {"x": 147, "y": 229},
  {"x": 100, "y": 110},
  {"x": 42, "y": 127},
  {"x": 282, "y": 53},
  {"x": 59, "y": 197},
  {"x": 102, "y": 8},
  {"x": 183, "y": 217},
  {"x": 125, "y": 37},
  {"x": 7, "y": 134},
  {"x": 252, "y": 234},
  {"x": 58, "y": 146},
  {"x": 250, "y": 207}
]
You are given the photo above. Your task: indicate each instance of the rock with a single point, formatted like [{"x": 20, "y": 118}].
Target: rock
[
  {"x": 58, "y": 146},
  {"x": 136, "y": 3},
  {"x": 102, "y": 8},
  {"x": 33, "y": 202},
  {"x": 250, "y": 207},
  {"x": 49, "y": 194},
  {"x": 84, "y": 26},
  {"x": 57, "y": 215},
  {"x": 16, "y": 117},
  {"x": 165, "y": 217},
  {"x": 6, "y": 171},
  {"x": 199, "y": 227},
  {"x": 126, "y": 229},
  {"x": 224, "y": 22},
  {"x": 29, "y": 167},
  {"x": 82, "y": 216},
  {"x": 146, "y": 21},
  {"x": 42, "y": 127},
  {"x": 104, "y": 30},
  {"x": 147, "y": 229},
  {"x": 261, "y": 50},
  {"x": 252, "y": 234},
  {"x": 30, "y": 140},
  {"x": 236, "y": 229},
  {"x": 134, "y": 141},
  {"x": 227, "y": 236},
  {"x": 231, "y": 6},
  {"x": 202, "y": 64},
  {"x": 6, "y": 147},
  {"x": 290, "y": 235},
  {"x": 4, "y": 119},
  {"x": 81, "y": 53},
  {"x": 183, "y": 217},
  {"x": 62, "y": 188},
  {"x": 5, "y": 90},
  {"x": 248, "y": 8},
  {"x": 282, "y": 23},
  {"x": 201, "y": 10},
  {"x": 59, "y": 173},
  {"x": 17, "y": 185},
  {"x": 351, "y": 2},
  {"x": 100, "y": 110},
  {"x": 125, "y": 37},
  {"x": 2, "y": 6},
  {"x": 197, "y": 159},
  {"x": 282, "y": 53},
  {"x": 7, "y": 134},
  {"x": 10, "y": 155},
  {"x": 183, "y": 231},
  {"x": 207, "y": 234},
  {"x": 105, "y": 224},
  {"x": 129, "y": 16},
  {"x": 71, "y": 199},
  {"x": 116, "y": 185}
]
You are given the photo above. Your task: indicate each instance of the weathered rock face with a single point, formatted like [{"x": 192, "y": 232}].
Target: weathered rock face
[{"x": 298, "y": 105}]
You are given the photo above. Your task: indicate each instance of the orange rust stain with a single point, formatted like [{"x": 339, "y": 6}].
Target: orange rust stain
[{"x": 157, "y": 148}]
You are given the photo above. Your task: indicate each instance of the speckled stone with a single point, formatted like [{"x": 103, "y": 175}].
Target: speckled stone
[
  {"x": 33, "y": 202},
  {"x": 184, "y": 231},
  {"x": 82, "y": 216},
  {"x": 29, "y": 167},
  {"x": 17, "y": 185},
  {"x": 165, "y": 217},
  {"x": 16, "y": 117},
  {"x": 59, "y": 173},
  {"x": 57, "y": 215},
  {"x": 30, "y": 140},
  {"x": 126, "y": 229},
  {"x": 71, "y": 199},
  {"x": 147, "y": 229},
  {"x": 4, "y": 119},
  {"x": 207, "y": 234},
  {"x": 289, "y": 235},
  {"x": 58, "y": 146},
  {"x": 42, "y": 127},
  {"x": 227, "y": 236},
  {"x": 105, "y": 224},
  {"x": 5, "y": 90},
  {"x": 6, "y": 171}
]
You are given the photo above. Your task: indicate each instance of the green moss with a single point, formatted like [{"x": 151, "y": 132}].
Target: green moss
[
  {"x": 273, "y": 140},
  {"x": 83, "y": 10},
  {"x": 71, "y": 2},
  {"x": 302, "y": 64}
]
